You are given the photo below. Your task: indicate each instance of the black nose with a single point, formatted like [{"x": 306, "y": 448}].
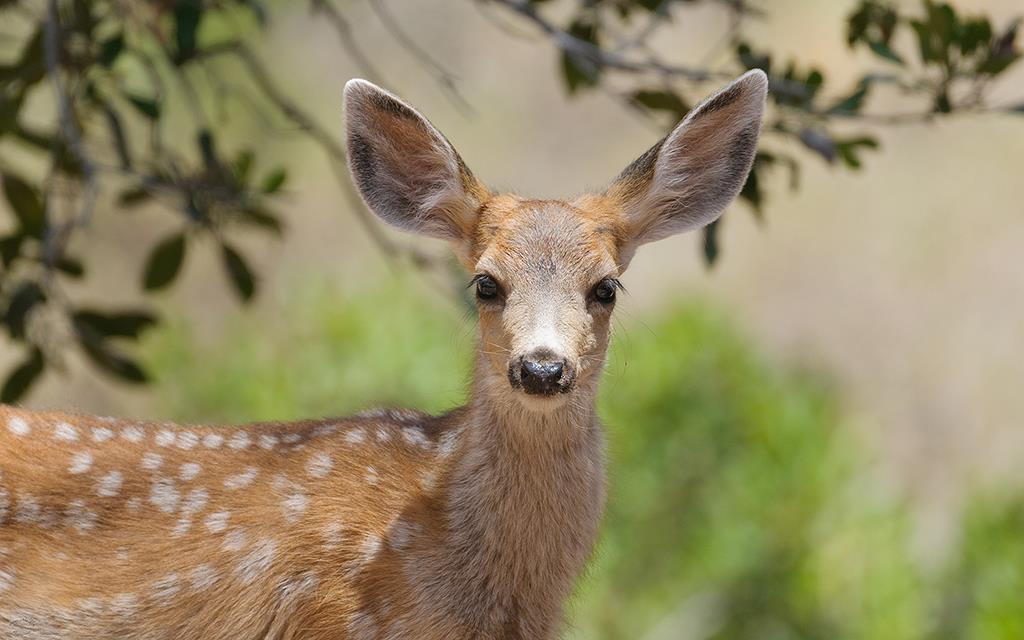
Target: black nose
[{"x": 542, "y": 375}]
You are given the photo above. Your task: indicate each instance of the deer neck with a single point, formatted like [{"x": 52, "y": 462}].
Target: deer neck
[{"x": 524, "y": 502}]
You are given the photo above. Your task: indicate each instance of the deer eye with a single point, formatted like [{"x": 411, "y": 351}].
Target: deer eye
[
  {"x": 486, "y": 287},
  {"x": 605, "y": 290}
]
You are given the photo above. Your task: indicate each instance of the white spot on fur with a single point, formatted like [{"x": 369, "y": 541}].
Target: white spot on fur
[
  {"x": 187, "y": 440},
  {"x": 401, "y": 533},
  {"x": 102, "y": 434},
  {"x": 356, "y": 436},
  {"x": 18, "y": 426},
  {"x": 332, "y": 535},
  {"x": 189, "y": 471},
  {"x": 110, "y": 484},
  {"x": 203, "y": 577},
  {"x": 268, "y": 442},
  {"x": 415, "y": 437},
  {"x": 428, "y": 480},
  {"x": 132, "y": 434},
  {"x": 124, "y": 604},
  {"x": 167, "y": 587},
  {"x": 383, "y": 434},
  {"x": 319, "y": 465},
  {"x": 164, "y": 495},
  {"x": 243, "y": 479},
  {"x": 371, "y": 476},
  {"x": 151, "y": 461},
  {"x": 27, "y": 510},
  {"x": 257, "y": 561},
  {"x": 217, "y": 521},
  {"x": 325, "y": 430},
  {"x": 291, "y": 438},
  {"x": 302, "y": 584},
  {"x": 362, "y": 626},
  {"x": 121, "y": 554},
  {"x": 90, "y": 605},
  {"x": 369, "y": 549},
  {"x": 66, "y": 432},
  {"x": 213, "y": 440},
  {"x": 80, "y": 462},
  {"x": 5, "y": 504},
  {"x": 294, "y": 506},
  {"x": 234, "y": 540},
  {"x": 447, "y": 443},
  {"x": 240, "y": 441},
  {"x": 195, "y": 501},
  {"x": 164, "y": 438},
  {"x": 6, "y": 579}
]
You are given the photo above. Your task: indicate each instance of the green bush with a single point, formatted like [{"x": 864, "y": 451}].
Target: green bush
[{"x": 740, "y": 507}]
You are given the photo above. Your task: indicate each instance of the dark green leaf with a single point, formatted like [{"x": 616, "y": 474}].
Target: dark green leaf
[
  {"x": 187, "y": 15},
  {"x": 207, "y": 149},
  {"x": 110, "y": 49},
  {"x": 851, "y": 103},
  {"x": 881, "y": 49},
  {"x": 165, "y": 262},
  {"x": 581, "y": 70},
  {"x": 273, "y": 181},
  {"x": 26, "y": 203},
  {"x": 118, "y": 136},
  {"x": 70, "y": 267},
  {"x": 10, "y": 248},
  {"x": 820, "y": 142},
  {"x": 108, "y": 359},
  {"x": 260, "y": 217},
  {"x": 26, "y": 296},
  {"x": 942, "y": 103},
  {"x": 242, "y": 165},
  {"x": 22, "y": 378},
  {"x": 241, "y": 276},
  {"x": 128, "y": 324},
  {"x": 848, "y": 150},
  {"x": 133, "y": 197},
  {"x": 146, "y": 106},
  {"x": 666, "y": 100},
  {"x": 711, "y": 243}
]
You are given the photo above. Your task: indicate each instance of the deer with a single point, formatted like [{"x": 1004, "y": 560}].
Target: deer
[{"x": 391, "y": 523}]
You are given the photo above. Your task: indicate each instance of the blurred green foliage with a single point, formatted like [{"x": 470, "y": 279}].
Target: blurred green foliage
[{"x": 740, "y": 507}]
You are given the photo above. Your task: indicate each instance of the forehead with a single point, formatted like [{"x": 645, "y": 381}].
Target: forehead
[{"x": 516, "y": 235}]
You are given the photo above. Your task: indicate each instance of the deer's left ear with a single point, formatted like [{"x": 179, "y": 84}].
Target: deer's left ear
[{"x": 687, "y": 179}]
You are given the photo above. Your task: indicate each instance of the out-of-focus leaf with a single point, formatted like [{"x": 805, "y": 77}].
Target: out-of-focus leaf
[
  {"x": 882, "y": 50},
  {"x": 1018, "y": 108},
  {"x": 819, "y": 142},
  {"x": 110, "y": 49},
  {"x": 70, "y": 267},
  {"x": 260, "y": 217},
  {"x": 975, "y": 34},
  {"x": 239, "y": 272},
  {"x": 243, "y": 165},
  {"x": 118, "y": 136},
  {"x": 187, "y": 16},
  {"x": 10, "y": 248},
  {"x": 26, "y": 203},
  {"x": 207, "y": 149},
  {"x": 26, "y": 296},
  {"x": 146, "y": 106},
  {"x": 133, "y": 197},
  {"x": 848, "y": 150},
  {"x": 752, "y": 60},
  {"x": 124, "y": 324},
  {"x": 851, "y": 103},
  {"x": 711, "y": 243},
  {"x": 666, "y": 100},
  {"x": 274, "y": 180},
  {"x": 942, "y": 103},
  {"x": 165, "y": 262},
  {"x": 109, "y": 359},
  {"x": 24, "y": 375},
  {"x": 580, "y": 70},
  {"x": 1002, "y": 53}
]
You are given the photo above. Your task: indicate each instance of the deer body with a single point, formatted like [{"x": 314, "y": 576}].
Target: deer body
[{"x": 390, "y": 524}]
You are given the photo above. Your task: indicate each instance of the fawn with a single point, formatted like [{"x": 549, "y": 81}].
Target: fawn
[{"x": 392, "y": 523}]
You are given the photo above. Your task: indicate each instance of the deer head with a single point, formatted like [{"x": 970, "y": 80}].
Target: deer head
[{"x": 546, "y": 272}]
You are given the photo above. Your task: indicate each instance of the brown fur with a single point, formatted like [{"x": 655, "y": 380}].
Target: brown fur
[{"x": 392, "y": 524}]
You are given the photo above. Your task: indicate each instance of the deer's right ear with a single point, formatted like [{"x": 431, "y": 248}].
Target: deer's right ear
[{"x": 405, "y": 170}]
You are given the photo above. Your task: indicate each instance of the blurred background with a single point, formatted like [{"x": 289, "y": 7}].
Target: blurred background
[{"x": 814, "y": 413}]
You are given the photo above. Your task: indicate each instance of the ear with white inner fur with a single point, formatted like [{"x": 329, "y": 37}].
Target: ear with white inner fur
[
  {"x": 687, "y": 179},
  {"x": 405, "y": 170}
]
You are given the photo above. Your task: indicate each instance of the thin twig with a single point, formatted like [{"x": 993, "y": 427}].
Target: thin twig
[
  {"x": 442, "y": 76},
  {"x": 344, "y": 31},
  {"x": 57, "y": 238}
]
